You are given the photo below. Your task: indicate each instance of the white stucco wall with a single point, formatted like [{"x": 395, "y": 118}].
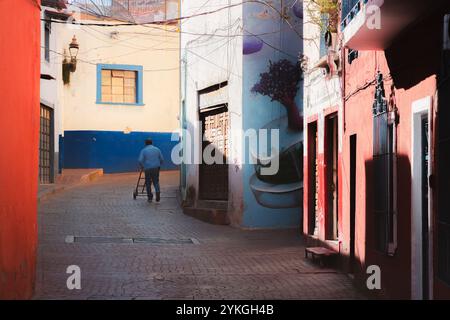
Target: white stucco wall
[
  {"x": 321, "y": 91},
  {"x": 212, "y": 54},
  {"x": 49, "y": 92},
  {"x": 155, "y": 48}
]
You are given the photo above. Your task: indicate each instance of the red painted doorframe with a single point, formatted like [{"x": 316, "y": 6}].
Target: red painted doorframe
[
  {"x": 331, "y": 220},
  {"x": 310, "y": 180}
]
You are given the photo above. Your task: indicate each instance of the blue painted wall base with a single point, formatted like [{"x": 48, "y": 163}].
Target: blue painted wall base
[{"x": 113, "y": 151}]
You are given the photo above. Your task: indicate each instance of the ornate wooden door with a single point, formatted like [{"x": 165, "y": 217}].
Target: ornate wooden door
[{"x": 214, "y": 177}]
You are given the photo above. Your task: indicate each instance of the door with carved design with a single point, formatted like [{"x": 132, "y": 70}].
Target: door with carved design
[{"x": 213, "y": 184}]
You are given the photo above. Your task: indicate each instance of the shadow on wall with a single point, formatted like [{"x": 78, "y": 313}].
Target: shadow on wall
[
  {"x": 280, "y": 190},
  {"x": 411, "y": 63},
  {"x": 353, "y": 266},
  {"x": 396, "y": 269}
]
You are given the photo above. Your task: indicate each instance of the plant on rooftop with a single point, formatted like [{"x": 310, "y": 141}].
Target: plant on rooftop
[{"x": 324, "y": 13}]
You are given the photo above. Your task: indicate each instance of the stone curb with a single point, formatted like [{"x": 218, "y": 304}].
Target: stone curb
[{"x": 84, "y": 179}]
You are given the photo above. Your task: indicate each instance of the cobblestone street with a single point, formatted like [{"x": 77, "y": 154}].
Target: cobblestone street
[{"x": 130, "y": 249}]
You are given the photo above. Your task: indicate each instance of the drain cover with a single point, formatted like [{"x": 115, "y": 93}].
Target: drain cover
[
  {"x": 162, "y": 241},
  {"x": 72, "y": 239},
  {"x": 102, "y": 240}
]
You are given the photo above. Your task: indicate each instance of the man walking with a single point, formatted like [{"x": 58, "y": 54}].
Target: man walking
[{"x": 150, "y": 161}]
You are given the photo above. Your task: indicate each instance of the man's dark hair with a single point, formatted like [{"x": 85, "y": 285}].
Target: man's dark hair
[{"x": 148, "y": 142}]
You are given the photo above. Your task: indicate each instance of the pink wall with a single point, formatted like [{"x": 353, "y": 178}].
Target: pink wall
[
  {"x": 410, "y": 74},
  {"x": 19, "y": 125},
  {"x": 396, "y": 270}
]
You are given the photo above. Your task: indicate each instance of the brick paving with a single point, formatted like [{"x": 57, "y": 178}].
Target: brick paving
[{"x": 221, "y": 263}]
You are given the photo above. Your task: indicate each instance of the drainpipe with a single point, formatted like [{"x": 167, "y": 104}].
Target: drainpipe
[
  {"x": 183, "y": 94},
  {"x": 343, "y": 87}
]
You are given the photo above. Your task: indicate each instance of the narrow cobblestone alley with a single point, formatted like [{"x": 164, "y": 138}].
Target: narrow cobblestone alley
[{"x": 130, "y": 249}]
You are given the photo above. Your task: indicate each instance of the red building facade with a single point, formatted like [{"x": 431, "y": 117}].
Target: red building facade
[
  {"x": 391, "y": 204},
  {"x": 19, "y": 126}
]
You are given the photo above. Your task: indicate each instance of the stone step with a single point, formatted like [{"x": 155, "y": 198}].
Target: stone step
[
  {"x": 212, "y": 204},
  {"x": 209, "y": 215}
]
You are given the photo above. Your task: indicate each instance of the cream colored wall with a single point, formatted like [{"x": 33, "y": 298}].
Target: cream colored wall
[
  {"x": 156, "y": 48},
  {"x": 48, "y": 88}
]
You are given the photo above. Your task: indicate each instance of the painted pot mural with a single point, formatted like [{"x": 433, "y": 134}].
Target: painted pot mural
[
  {"x": 285, "y": 188},
  {"x": 273, "y": 100},
  {"x": 298, "y": 9},
  {"x": 252, "y": 44}
]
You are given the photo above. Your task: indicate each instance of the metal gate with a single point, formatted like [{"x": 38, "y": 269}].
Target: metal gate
[
  {"x": 46, "y": 145},
  {"x": 213, "y": 184}
]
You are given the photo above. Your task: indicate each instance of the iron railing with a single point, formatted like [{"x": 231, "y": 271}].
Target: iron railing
[{"x": 350, "y": 8}]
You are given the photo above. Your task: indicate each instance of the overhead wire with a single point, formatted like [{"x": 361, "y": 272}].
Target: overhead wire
[
  {"x": 180, "y": 19},
  {"x": 145, "y": 70},
  {"x": 183, "y": 19},
  {"x": 153, "y": 48}
]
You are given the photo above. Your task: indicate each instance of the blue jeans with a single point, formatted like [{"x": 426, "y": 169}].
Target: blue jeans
[{"x": 152, "y": 176}]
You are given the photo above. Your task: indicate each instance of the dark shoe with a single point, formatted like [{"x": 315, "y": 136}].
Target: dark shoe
[{"x": 158, "y": 196}]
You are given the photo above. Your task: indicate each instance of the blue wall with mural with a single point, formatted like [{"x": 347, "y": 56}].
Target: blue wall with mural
[
  {"x": 272, "y": 99},
  {"x": 114, "y": 151}
]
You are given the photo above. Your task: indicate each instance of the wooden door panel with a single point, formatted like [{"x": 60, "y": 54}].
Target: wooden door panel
[{"x": 214, "y": 177}]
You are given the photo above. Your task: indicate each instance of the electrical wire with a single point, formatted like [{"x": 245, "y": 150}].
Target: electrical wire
[
  {"x": 180, "y": 19},
  {"x": 147, "y": 70},
  {"x": 153, "y": 48},
  {"x": 271, "y": 46},
  {"x": 200, "y": 35},
  {"x": 160, "y": 22},
  {"x": 95, "y": 64}
]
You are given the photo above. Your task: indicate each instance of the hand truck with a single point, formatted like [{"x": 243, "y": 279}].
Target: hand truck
[{"x": 141, "y": 186}]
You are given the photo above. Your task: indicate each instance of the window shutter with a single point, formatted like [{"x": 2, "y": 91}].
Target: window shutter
[{"x": 383, "y": 169}]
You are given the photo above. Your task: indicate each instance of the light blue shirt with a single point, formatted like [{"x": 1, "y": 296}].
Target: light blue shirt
[{"x": 150, "y": 157}]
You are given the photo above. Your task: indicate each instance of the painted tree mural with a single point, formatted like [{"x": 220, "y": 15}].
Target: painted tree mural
[{"x": 281, "y": 83}]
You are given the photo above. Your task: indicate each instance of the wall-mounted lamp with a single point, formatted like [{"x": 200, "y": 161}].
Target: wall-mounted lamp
[
  {"x": 71, "y": 66},
  {"x": 73, "y": 50}
]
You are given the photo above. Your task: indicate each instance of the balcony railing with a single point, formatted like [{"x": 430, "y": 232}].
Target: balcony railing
[
  {"x": 350, "y": 8},
  {"x": 374, "y": 24}
]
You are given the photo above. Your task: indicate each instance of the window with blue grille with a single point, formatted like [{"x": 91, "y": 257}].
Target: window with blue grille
[
  {"x": 384, "y": 164},
  {"x": 119, "y": 84}
]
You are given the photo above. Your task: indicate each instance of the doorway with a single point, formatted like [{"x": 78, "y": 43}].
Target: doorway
[
  {"x": 46, "y": 145},
  {"x": 420, "y": 202},
  {"x": 353, "y": 153},
  {"x": 213, "y": 178},
  {"x": 313, "y": 185},
  {"x": 331, "y": 176},
  {"x": 425, "y": 214}
]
